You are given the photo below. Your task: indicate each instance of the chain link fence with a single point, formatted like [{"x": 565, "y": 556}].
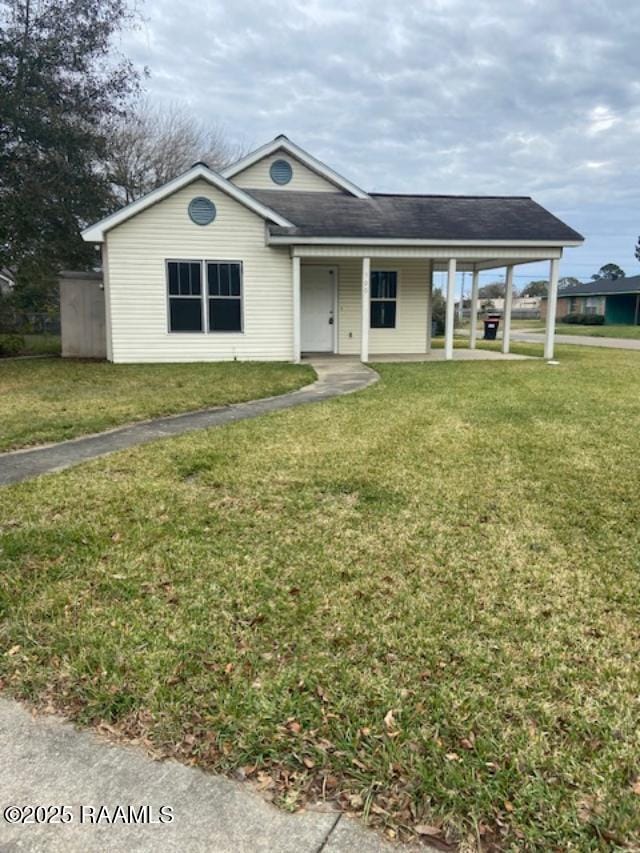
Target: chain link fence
[{"x": 13, "y": 321}]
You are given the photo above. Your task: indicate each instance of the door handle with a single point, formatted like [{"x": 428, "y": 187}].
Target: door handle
[{"x": 331, "y": 321}]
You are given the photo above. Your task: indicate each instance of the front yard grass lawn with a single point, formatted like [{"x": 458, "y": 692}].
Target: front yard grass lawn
[
  {"x": 46, "y": 400},
  {"x": 421, "y": 600}
]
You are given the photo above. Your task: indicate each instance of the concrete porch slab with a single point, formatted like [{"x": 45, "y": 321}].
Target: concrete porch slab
[{"x": 458, "y": 355}]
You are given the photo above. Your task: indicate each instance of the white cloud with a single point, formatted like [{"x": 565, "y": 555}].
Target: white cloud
[
  {"x": 538, "y": 97},
  {"x": 601, "y": 118}
]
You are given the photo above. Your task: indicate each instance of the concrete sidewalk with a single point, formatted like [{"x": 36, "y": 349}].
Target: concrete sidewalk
[
  {"x": 336, "y": 376},
  {"x": 579, "y": 340},
  {"x": 533, "y": 337},
  {"x": 47, "y": 762}
]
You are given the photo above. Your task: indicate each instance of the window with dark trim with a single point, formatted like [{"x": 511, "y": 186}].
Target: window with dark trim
[
  {"x": 185, "y": 296},
  {"x": 384, "y": 297},
  {"x": 224, "y": 296}
]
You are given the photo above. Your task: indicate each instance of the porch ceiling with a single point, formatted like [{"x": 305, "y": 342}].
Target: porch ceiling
[{"x": 469, "y": 259}]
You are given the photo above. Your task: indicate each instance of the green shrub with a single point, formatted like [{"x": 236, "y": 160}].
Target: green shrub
[
  {"x": 584, "y": 319},
  {"x": 11, "y": 345},
  {"x": 438, "y": 310}
]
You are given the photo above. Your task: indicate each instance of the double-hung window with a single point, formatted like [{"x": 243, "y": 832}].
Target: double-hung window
[
  {"x": 384, "y": 298},
  {"x": 185, "y": 296},
  {"x": 224, "y": 296},
  {"x": 204, "y": 296},
  {"x": 591, "y": 305}
]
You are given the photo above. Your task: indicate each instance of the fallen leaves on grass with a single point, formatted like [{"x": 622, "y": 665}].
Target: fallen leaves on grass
[{"x": 428, "y": 829}]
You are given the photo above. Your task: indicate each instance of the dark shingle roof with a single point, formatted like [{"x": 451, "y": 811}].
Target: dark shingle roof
[
  {"x": 414, "y": 217},
  {"x": 603, "y": 287}
]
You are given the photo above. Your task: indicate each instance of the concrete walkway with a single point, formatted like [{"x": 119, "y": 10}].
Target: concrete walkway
[
  {"x": 47, "y": 762},
  {"x": 336, "y": 376}
]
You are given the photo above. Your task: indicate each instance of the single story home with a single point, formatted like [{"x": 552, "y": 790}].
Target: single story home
[
  {"x": 617, "y": 300},
  {"x": 279, "y": 255}
]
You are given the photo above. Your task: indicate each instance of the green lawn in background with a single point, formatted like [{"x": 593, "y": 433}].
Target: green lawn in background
[
  {"x": 42, "y": 344},
  {"x": 421, "y": 601},
  {"x": 607, "y": 331}
]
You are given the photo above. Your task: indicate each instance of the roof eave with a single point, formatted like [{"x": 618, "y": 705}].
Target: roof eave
[
  {"x": 281, "y": 142},
  {"x": 96, "y": 233},
  {"x": 285, "y": 239},
  {"x": 564, "y": 295}
]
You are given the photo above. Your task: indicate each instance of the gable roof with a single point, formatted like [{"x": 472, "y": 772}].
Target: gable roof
[
  {"x": 423, "y": 218},
  {"x": 281, "y": 143},
  {"x": 95, "y": 233},
  {"x": 602, "y": 287}
]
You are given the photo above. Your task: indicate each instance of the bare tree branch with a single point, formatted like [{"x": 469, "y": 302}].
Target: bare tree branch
[{"x": 150, "y": 146}]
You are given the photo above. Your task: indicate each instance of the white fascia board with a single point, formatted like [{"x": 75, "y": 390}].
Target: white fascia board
[
  {"x": 283, "y": 239},
  {"x": 561, "y": 293},
  {"x": 499, "y": 263},
  {"x": 95, "y": 233},
  {"x": 284, "y": 144}
]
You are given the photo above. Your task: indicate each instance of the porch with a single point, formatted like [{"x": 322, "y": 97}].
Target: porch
[
  {"x": 460, "y": 355},
  {"x": 376, "y": 302},
  {"x": 466, "y": 354}
]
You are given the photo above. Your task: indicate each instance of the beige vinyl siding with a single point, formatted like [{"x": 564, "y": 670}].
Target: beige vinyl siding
[
  {"x": 138, "y": 250},
  {"x": 257, "y": 177},
  {"x": 410, "y": 333}
]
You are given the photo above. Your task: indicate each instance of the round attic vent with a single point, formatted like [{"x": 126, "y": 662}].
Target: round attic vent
[
  {"x": 202, "y": 211},
  {"x": 281, "y": 172}
]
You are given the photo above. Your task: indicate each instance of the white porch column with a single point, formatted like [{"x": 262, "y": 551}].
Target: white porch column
[
  {"x": 365, "y": 322},
  {"x": 296, "y": 308},
  {"x": 473, "y": 319},
  {"x": 451, "y": 295},
  {"x": 429, "y": 304},
  {"x": 552, "y": 303},
  {"x": 508, "y": 302}
]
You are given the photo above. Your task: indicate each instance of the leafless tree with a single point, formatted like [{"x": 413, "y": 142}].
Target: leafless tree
[{"x": 150, "y": 145}]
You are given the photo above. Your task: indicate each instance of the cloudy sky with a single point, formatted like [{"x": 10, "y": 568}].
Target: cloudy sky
[{"x": 523, "y": 97}]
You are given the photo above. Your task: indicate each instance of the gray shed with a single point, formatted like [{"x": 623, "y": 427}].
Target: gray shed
[{"x": 82, "y": 315}]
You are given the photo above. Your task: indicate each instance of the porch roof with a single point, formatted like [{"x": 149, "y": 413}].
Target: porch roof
[{"x": 437, "y": 218}]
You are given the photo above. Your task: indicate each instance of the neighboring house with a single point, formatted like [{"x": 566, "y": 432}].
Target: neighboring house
[
  {"x": 279, "y": 254},
  {"x": 520, "y": 304},
  {"x": 617, "y": 300}
]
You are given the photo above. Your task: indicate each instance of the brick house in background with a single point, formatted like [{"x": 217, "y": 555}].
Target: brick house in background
[{"x": 617, "y": 300}]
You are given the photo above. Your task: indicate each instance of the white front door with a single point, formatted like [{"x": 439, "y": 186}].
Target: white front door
[{"x": 317, "y": 298}]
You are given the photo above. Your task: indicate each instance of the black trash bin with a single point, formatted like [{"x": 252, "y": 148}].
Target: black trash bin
[{"x": 491, "y": 328}]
